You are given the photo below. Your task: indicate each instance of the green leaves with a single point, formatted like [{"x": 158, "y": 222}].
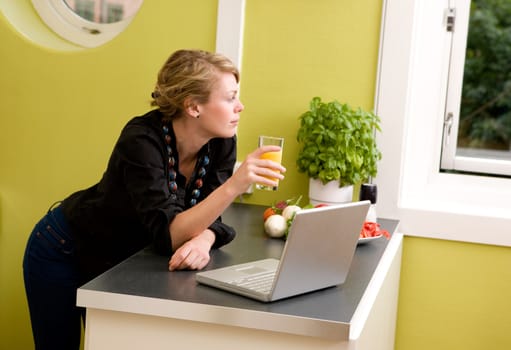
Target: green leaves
[
  {"x": 337, "y": 142},
  {"x": 485, "y": 113}
]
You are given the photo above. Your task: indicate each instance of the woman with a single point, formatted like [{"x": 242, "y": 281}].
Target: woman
[{"x": 168, "y": 180}]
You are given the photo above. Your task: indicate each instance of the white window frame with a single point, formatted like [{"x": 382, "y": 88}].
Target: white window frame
[
  {"x": 411, "y": 188},
  {"x": 230, "y": 29},
  {"x": 77, "y": 30}
]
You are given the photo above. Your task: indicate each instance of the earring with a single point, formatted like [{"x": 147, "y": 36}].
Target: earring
[{"x": 197, "y": 116}]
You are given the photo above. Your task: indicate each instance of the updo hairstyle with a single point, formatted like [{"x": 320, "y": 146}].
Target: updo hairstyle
[{"x": 188, "y": 74}]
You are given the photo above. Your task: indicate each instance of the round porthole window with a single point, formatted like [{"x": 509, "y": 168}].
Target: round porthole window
[{"x": 88, "y": 23}]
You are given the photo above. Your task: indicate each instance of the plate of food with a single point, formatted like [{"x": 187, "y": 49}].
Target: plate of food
[
  {"x": 364, "y": 240},
  {"x": 371, "y": 231}
]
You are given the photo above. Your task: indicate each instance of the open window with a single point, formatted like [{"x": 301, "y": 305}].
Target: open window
[
  {"x": 416, "y": 64},
  {"x": 477, "y": 120}
]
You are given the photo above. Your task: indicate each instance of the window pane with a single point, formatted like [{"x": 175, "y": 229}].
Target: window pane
[
  {"x": 104, "y": 11},
  {"x": 485, "y": 112}
]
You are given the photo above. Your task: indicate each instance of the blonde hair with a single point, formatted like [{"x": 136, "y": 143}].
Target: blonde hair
[{"x": 188, "y": 74}]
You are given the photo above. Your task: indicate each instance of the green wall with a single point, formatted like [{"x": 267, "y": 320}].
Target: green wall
[
  {"x": 293, "y": 51},
  {"x": 61, "y": 113},
  {"x": 454, "y": 295}
]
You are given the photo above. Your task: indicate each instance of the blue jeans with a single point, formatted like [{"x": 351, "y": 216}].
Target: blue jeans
[{"x": 51, "y": 280}]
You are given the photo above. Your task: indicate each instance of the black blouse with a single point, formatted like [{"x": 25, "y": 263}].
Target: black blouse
[{"x": 131, "y": 206}]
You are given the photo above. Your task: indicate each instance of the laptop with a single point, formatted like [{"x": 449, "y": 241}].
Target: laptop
[{"x": 317, "y": 255}]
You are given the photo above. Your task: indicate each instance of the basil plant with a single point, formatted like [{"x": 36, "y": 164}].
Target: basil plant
[{"x": 338, "y": 143}]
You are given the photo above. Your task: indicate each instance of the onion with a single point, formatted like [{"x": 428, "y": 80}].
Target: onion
[
  {"x": 289, "y": 211},
  {"x": 275, "y": 226}
]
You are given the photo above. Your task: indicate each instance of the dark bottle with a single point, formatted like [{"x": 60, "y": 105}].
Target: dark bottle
[{"x": 369, "y": 192}]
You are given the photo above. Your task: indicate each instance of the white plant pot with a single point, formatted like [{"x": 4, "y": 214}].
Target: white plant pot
[{"x": 329, "y": 193}]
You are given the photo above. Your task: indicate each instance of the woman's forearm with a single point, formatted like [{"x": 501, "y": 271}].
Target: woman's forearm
[{"x": 194, "y": 221}]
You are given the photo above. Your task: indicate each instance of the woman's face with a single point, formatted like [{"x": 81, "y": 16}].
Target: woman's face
[{"x": 219, "y": 117}]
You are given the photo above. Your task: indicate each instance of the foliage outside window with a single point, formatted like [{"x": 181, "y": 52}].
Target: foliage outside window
[{"x": 485, "y": 114}]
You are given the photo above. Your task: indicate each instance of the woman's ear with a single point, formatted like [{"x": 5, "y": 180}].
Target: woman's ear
[{"x": 192, "y": 108}]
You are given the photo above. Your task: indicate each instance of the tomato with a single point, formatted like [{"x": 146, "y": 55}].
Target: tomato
[
  {"x": 268, "y": 212},
  {"x": 320, "y": 205}
]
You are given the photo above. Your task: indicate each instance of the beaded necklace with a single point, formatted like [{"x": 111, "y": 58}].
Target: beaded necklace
[{"x": 199, "y": 174}]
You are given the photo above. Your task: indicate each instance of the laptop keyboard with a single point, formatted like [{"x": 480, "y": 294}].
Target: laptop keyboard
[{"x": 260, "y": 283}]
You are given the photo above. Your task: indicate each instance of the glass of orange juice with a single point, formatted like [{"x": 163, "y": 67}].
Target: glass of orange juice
[{"x": 275, "y": 156}]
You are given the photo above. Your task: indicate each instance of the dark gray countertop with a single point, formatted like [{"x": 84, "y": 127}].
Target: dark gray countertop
[{"x": 145, "y": 274}]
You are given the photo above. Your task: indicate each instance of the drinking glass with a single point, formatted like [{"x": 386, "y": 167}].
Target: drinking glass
[{"x": 275, "y": 156}]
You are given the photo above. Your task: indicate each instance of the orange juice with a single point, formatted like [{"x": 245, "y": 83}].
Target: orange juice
[{"x": 275, "y": 156}]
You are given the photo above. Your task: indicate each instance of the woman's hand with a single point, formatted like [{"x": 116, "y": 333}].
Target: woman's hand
[
  {"x": 189, "y": 228},
  {"x": 193, "y": 254},
  {"x": 257, "y": 170}
]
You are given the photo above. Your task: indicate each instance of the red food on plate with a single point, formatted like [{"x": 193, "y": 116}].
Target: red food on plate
[{"x": 372, "y": 229}]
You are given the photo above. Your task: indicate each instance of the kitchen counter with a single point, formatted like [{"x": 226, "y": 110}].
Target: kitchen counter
[{"x": 141, "y": 286}]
